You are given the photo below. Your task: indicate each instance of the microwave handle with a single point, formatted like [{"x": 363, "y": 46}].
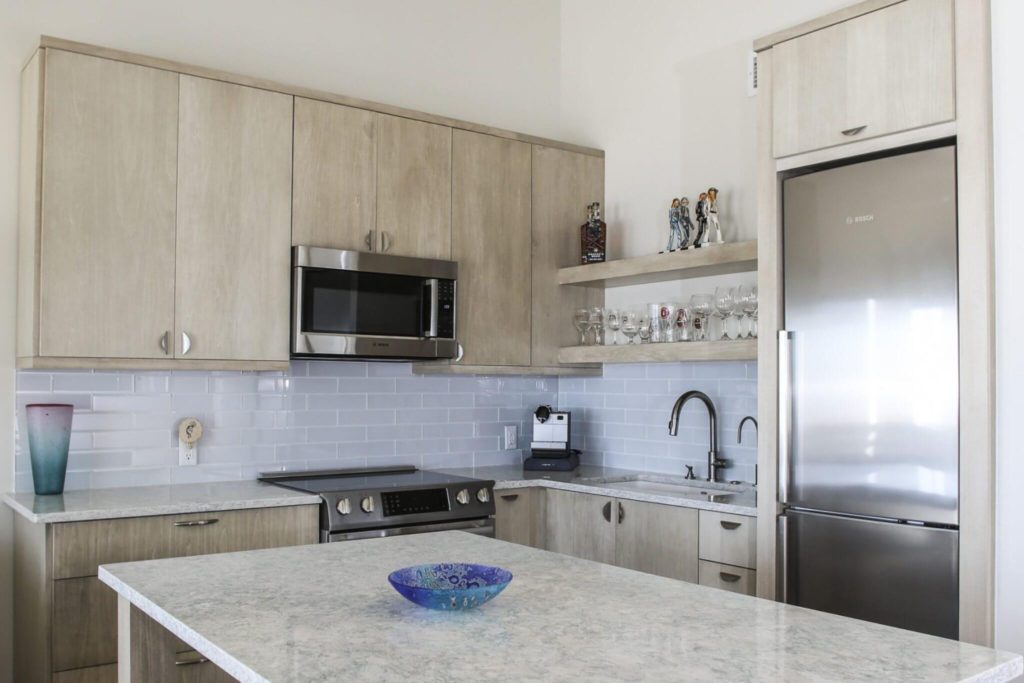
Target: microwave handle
[{"x": 431, "y": 303}]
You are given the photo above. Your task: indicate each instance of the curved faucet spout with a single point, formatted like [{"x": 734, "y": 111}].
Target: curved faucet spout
[
  {"x": 739, "y": 430},
  {"x": 714, "y": 462}
]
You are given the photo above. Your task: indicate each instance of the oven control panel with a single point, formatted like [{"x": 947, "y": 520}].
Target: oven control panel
[
  {"x": 414, "y": 502},
  {"x": 373, "y": 509}
]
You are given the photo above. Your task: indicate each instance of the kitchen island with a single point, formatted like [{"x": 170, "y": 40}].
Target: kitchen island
[{"x": 326, "y": 612}]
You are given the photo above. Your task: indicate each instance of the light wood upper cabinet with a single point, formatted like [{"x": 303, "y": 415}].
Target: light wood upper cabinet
[
  {"x": 106, "y": 257},
  {"x": 234, "y": 222},
  {"x": 657, "y": 539},
  {"x": 414, "y": 188},
  {"x": 564, "y": 183},
  {"x": 491, "y": 218},
  {"x": 334, "y": 202},
  {"x": 879, "y": 73}
]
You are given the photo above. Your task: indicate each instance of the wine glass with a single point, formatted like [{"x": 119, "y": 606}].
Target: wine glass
[
  {"x": 614, "y": 320},
  {"x": 597, "y": 324},
  {"x": 581, "y": 320},
  {"x": 750, "y": 309},
  {"x": 741, "y": 295},
  {"x": 700, "y": 304},
  {"x": 725, "y": 305},
  {"x": 645, "y": 329},
  {"x": 630, "y": 327},
  {"x": 683, "y": 320}
]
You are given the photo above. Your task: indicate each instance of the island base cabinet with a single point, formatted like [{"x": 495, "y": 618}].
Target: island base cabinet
[
  {"x": 728, "y": 578},
  {"x": 149, "y": 653}
]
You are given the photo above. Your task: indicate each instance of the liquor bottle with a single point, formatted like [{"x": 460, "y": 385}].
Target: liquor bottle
[{"x": 593, "y": 236}]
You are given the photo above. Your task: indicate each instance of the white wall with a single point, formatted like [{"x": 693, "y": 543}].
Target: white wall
[
  {"x": 488, "y": 62},
  {"x": 1008, "y": 56}
]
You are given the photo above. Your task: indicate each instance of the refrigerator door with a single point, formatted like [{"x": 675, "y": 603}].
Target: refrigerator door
[
  {"x": 871, "y": 312},
  {"x": 896, "y": 574}
]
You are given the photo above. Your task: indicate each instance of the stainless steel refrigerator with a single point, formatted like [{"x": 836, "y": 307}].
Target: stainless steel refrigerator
[{"x": 868, "y": 392}]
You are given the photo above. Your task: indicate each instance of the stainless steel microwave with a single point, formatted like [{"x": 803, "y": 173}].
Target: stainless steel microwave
[{"x": 350, "y": 304}]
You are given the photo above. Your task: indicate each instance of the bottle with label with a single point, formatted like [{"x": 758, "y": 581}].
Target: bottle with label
[{"x": 593, "y": 236}]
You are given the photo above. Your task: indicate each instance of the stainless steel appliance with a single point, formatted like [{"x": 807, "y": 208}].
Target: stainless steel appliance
[
  {"x": 390, "y": 501},
  {"x": 358, "y": 305},
  {"x": 868, "y": 404},
  {"x": 551, "y": 448}
]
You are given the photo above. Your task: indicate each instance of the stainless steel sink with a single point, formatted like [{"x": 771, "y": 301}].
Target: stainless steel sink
[{"x": 682, "y": 490}]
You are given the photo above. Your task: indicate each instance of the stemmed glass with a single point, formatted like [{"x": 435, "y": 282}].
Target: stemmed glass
[
  {"x": 581, "y": 320},
  {"x": 597, "y": 324},
  {"x": 629, "y": 326},
  {"x": 700, "y": 304},
  {"x": 645, "y": 329},
  {"x": 750, "y": 308},
  {"x": 725, "y": 305},
  {"x": 614, "y": 320}
]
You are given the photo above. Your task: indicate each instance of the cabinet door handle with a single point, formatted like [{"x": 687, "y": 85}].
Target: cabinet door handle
[
  {"x": 607, "y": 511},
  {"x": 163, "y": 342},
  {"x": 729, "y": 526},
  {"x": 510, "y": 496},
  {"x": 197, "y": 522},
  {"x": 385, "y": 241},
  {"x": 186, "y": 343},
  {"x": 856, "y": 130},
  {"x": 189, "y": 658},
  {"x": 460, "y": 354},
  {"x": 729, "y": 578},
  {"x": 371, "y": 240},
  {"x": 622, "y": 513}
]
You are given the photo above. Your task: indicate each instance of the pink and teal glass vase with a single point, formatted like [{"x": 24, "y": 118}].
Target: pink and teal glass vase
[{"x": 49, "y": 436}]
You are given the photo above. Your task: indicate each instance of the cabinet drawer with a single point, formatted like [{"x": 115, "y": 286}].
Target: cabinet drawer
[
  {"x": 80, "y": 547},
  {"x": 727, "y": 577},
  {"x": 84, "y": 624},
  {"x": 94, "y": 674},
  {"x": 729, "y": 539}
]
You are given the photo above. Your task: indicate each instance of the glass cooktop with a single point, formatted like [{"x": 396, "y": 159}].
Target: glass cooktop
[{"x": 360, "y": 480}]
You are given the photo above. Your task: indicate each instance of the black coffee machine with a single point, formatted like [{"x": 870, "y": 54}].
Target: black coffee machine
[{"x": 550, "y": 449}]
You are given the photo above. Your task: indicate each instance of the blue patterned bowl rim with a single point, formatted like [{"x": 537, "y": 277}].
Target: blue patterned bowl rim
[{"x": 406, "y": 575}]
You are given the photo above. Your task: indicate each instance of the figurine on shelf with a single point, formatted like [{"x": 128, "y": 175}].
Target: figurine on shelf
[
  {"x": 675, "y": 232},
  {"x": 714, "y": 227},
  {"x": 687, "y": 224},
  {"x": 701, "y": 212}
]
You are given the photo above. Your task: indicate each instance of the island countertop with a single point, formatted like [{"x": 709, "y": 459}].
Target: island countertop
[{"x": 326, "y": 612}]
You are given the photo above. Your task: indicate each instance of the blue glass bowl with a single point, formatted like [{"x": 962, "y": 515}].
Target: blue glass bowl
[{"x": 450, "y": 586}]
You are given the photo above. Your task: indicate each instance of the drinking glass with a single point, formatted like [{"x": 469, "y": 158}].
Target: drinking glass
[
  {"x": 725, "y": 305},
  {"x": 597, "y": 324},
  {"x": 741, "y": 295},
  {"x": 700, "y": 304},
  {"x": 630, "y": 327},
  {"x": 645, "y": 329},
  {"x": 682, "y": 324},
  {"x": 751, "y": 310},
  {"x": 581, "y": 320},
  {"x": 614, "y": 320},
  {"x": 667, "y": 322},
  {"x": 653, "y": 314}
]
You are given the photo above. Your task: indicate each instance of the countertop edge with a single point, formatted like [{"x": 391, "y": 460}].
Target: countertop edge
[
  {"x": 158, "y": 509},
  {"x": 643, "y": 497},
  {"x": 222, "y": 659},
  {"x": 1007, "y": 671}
]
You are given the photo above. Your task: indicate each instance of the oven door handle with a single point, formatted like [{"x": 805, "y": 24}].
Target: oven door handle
[
  {"x": 480, "y": 527},
  {"x": 431, "y": 304}
]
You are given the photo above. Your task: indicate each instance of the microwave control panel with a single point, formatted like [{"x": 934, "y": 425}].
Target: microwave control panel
[{"x": 446, "y": 309}]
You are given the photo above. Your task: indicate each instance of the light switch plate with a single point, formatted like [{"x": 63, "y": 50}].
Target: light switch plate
[{"x": 510, "y": 437}]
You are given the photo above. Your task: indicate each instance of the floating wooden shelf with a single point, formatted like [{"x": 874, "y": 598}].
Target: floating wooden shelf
[
  {"x": 732, "y": 257},
  {"x": 432, "y": 368},
  {"x": 741, "y": 349}
]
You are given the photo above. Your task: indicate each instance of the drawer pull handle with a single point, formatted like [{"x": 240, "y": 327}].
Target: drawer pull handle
[
  {"x": 197, "y": 522},
  {"x": 729, "y": 578},
  {"x": 729, "y": 526},
  {"x": 856, "y": 130},
  {"x": 199, "y": 659},
  {"x": 510, "y": 496}
]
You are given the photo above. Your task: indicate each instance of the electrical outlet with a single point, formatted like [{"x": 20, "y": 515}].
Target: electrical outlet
[
  {"x": 510, "y": 437},
  {"x": 188, "y": 454}
]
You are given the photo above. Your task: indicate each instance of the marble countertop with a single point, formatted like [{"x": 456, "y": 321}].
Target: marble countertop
[
  {"x": 326, "y": 612},
  {"x": 605, "y": 481},
  {"x": 143, "y": 501}
]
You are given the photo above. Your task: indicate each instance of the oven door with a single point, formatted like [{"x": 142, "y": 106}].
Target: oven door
[
  {"x": 372, "y": 305},
  {"x": 481, "y": 527}
]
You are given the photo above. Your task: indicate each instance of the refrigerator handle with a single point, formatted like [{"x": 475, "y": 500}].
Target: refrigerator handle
[
  {"x": 785, "y": 412},
  {"x": 782, "y": 560}
]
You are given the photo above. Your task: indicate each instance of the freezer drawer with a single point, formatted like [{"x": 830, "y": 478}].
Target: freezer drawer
[{"x": 888, "y": 573}]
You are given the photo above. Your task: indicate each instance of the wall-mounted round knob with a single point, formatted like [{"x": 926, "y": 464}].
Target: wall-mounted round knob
[
  {"x": 344, "y": 506},
  {"x": 483, "y": 495},
  {"x": 462, "y": 496},
  {"x": 367, "y": 504}
]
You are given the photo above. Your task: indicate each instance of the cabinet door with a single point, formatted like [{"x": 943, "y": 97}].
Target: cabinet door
[
  {"x": 414, "y": 188},
  {"x": 880, "y": 73},
  {"x": 491, "y": 242},
  {"x": 519, "y": 516},
  {"x": 234, "y": 222},
  {"x": 84, "y": 623},
  {"x": 564, "y": 183},
  {"x": 335, "y": 183},
  {"x": 106, "y": 273},
  {"x": 657, "y": 539},
  {"x": 581, "y": 525}
]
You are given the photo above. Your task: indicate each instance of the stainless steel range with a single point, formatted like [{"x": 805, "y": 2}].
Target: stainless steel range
[{"x": 390, "y": 501}]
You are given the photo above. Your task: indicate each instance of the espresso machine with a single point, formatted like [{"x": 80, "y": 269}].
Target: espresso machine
[{"x": 550, "y": 449}]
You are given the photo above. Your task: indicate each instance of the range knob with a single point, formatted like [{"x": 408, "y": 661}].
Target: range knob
[
  {"x": 344, "y": 506},
  {"x": 367, "y": 504},
  {"x": 483, "y": 495},
  {"x": 462, "y": 496}
]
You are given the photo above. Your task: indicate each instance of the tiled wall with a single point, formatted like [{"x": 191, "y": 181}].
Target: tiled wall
[
  {"x": 317, "y": 415},
  {"x": 621, "y": 419}
]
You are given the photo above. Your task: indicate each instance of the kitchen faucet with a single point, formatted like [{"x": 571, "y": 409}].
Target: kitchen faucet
[
  {"x": 739, "y": 430},
  {"x": 714, "y": 462}
]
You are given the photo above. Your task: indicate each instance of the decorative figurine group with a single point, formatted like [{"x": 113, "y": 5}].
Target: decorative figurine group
[{"x": 681, "y": 232}]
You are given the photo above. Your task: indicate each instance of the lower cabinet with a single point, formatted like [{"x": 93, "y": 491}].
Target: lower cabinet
[
  {"x": 657, "y": 539},
  {"x": 580, "y": 525},
  {"x": 728, "y": 552},
  {"x": 727, "y": 577},
  {"x": 68, "y": 618},
  {"x": 519, "y": 516}
]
